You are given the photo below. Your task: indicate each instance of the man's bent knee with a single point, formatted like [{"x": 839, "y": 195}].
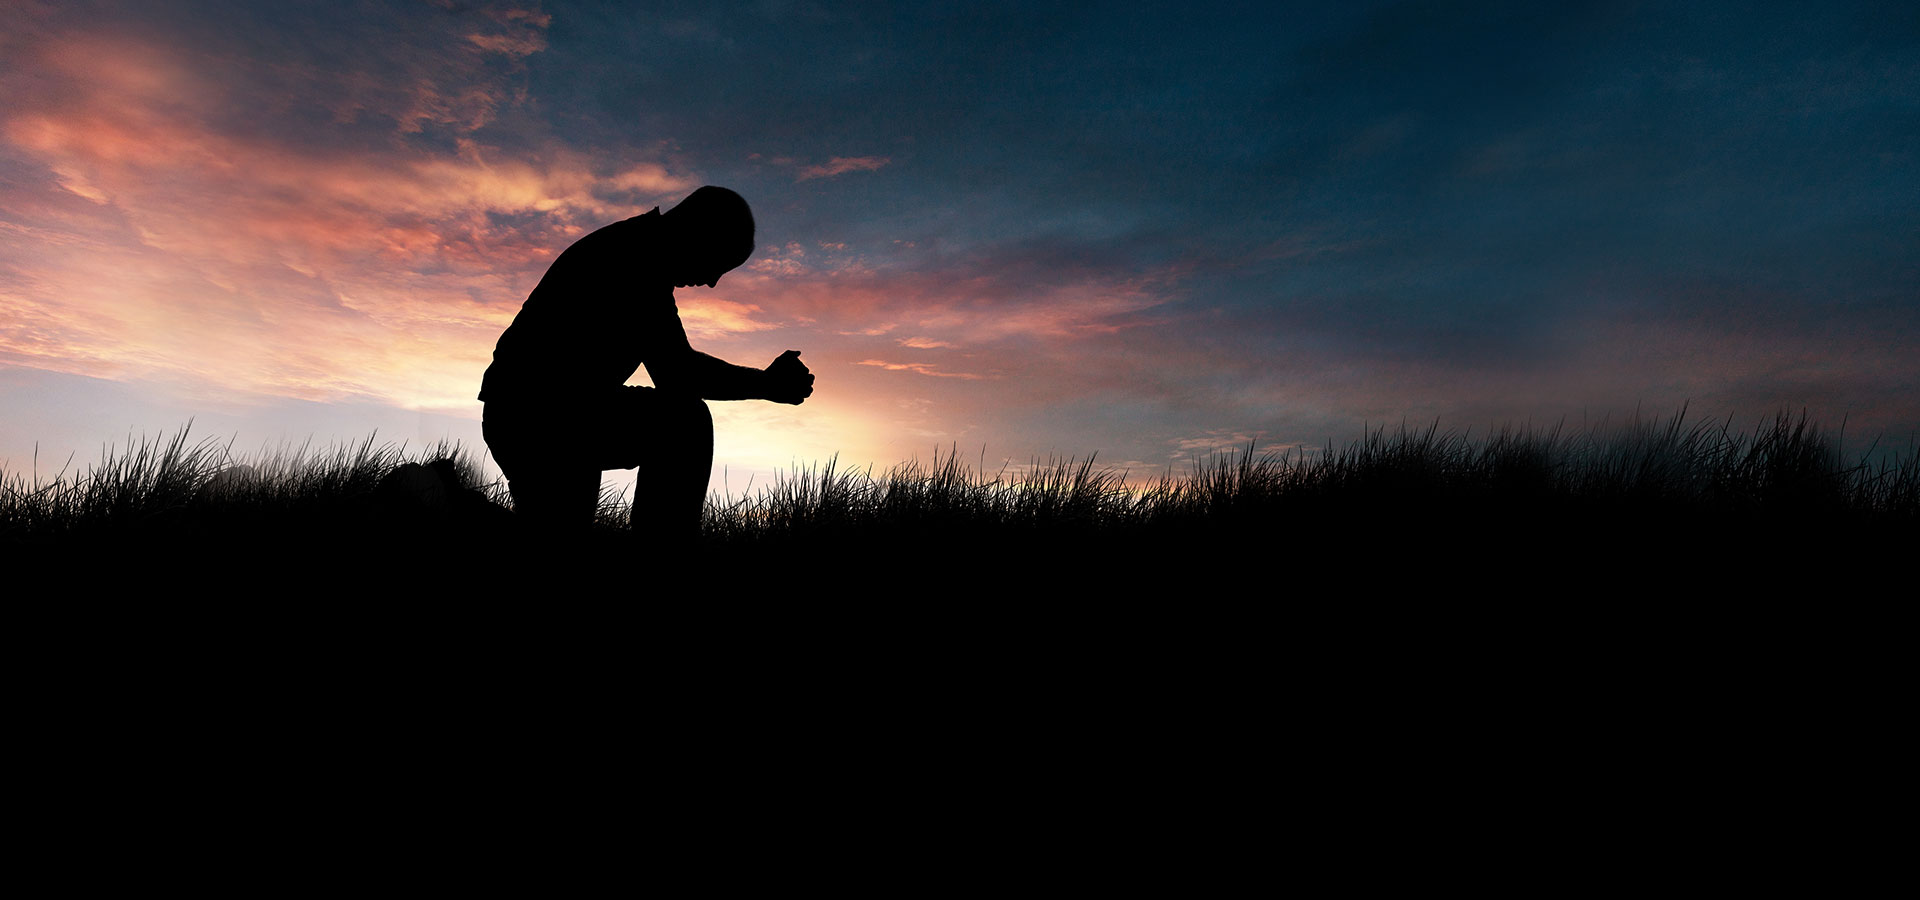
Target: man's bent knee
[{"x": 687, "y": 422}]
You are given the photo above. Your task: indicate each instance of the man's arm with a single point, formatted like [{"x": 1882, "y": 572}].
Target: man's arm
[
  {"x": 709, "y": 378},
  {"x": 678, "y": 368}
]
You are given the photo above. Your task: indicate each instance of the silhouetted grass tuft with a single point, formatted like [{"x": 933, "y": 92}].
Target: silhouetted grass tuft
[
  {"x": 169, "y": 490},
  {"x": 1784, "y": 468}
]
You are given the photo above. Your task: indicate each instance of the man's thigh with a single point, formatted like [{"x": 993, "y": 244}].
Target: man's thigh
[{"x": 621, "y": 429}]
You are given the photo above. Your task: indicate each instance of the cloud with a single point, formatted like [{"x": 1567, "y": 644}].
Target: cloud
[
  {"x": 524, "y": 35},
  {"x": 918, "y": 369},
  {"x": 1015, "y": 293},
  {"x": 840, "y": 165},
  {"x": 387, "y": 270},
  {"x": 153, "y": 238},
  {"x": 709, "y": 318},
  {"x": 1215, "y": 441},
  {"x": 869, "y": 332},
  {"x": 777, "y": 267},
  {"x": 511, "y": 45},
  {"x": 511, "y": 15}
]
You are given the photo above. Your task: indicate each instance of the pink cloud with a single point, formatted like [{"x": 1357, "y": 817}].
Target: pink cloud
[
  {"x": 880, "y": 329},
  {"x": 918, "y": 369},
  {"x": 532, "y": 17},
  {"x": 524, "y": 35},
  {"x": 510, "y": 44},
  {"x": 983, "y": 304},
  {"x": 1219, "y": 440},
  {"x": 710, "y": 318},
  {"x": 182, "y": 250},
  {"x": 840, "y": 165}
]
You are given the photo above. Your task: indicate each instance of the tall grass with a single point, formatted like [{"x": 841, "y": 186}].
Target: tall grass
[
  {"x": 1785, "y": 468},
  {"x": 1411, "y": 485},
  {"x": 170, "y": 484}
]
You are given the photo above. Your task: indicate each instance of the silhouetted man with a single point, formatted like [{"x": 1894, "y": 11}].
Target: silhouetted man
[{"x": 557, "y": 410}]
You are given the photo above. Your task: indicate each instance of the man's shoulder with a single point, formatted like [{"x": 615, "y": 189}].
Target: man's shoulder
[
  {"x": 620, "y": 240},
  {"x": 645, "y": 221}
]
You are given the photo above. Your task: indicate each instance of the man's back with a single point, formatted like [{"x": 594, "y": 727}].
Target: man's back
[{"x": 577, "y": 330}]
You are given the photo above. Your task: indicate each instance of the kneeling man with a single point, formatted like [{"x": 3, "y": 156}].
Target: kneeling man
[{"x": 558, "y": 411}]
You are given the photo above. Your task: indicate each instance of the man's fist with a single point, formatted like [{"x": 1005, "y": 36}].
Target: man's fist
[{"x": 791, "y": 382}]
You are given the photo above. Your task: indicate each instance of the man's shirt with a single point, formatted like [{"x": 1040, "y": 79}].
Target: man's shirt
[{"x": 588, "y": 323}]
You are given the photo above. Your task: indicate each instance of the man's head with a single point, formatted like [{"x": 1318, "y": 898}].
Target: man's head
[{"x": 711, "y": 233}]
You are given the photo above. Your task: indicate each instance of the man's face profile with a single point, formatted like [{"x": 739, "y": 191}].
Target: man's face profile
[
  {"x": 701, "y": 270},
  {"x": 697, "y": 257}
]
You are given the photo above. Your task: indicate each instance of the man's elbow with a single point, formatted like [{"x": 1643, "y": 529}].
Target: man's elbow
[
  {"x": 679, "y": 384},
  {"x": 675, "y": 374}
]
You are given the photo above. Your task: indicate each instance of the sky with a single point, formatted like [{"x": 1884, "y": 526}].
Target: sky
[{"x": 1147, "y": 232}]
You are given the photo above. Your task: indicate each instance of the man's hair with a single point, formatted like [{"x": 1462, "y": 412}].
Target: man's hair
[{"x": 720, "y": 214}]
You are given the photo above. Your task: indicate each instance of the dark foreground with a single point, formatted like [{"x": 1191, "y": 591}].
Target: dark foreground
[{"x": 1421, "y": 658}]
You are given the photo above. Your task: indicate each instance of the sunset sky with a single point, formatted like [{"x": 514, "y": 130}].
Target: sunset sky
[{"x": 1146, "y": 231}]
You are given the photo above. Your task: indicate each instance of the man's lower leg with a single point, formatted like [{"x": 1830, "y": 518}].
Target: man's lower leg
[{"x": 670, "y": 494}]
